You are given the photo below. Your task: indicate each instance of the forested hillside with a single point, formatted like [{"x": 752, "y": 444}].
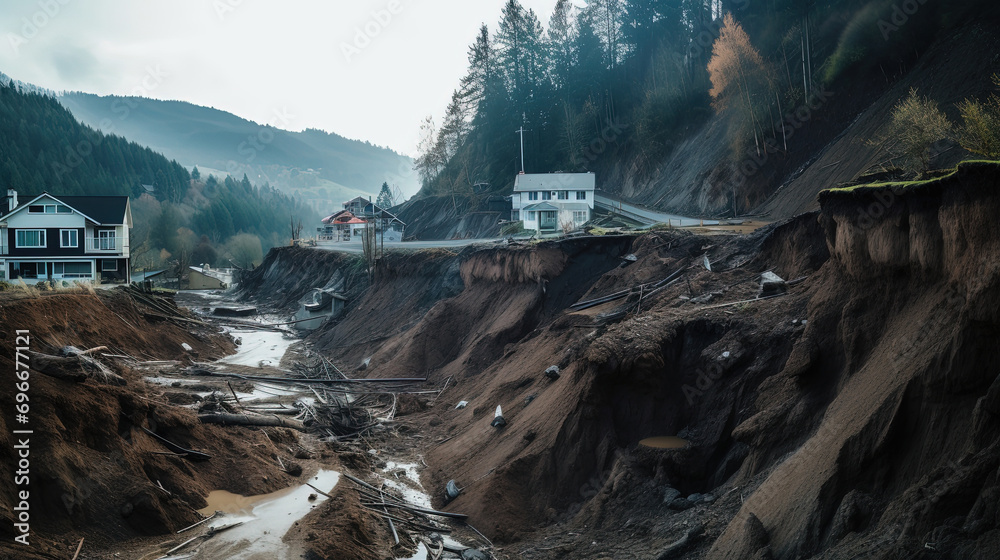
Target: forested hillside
[
  {"x": 620, "y": 86},
  {"x": 180, "y": 218},
  {"x": 321, "y": 168}
]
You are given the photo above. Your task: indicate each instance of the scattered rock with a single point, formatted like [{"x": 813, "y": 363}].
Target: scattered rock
[
  {"x": 451, "y": 490},
  {"x": 771, "y": 284},
  {"x": 462, "y": 404},
  {"x": 293, "y": 469},
  {"x": 473, "y": 554},
  {"x": 680, "y": 504},
  {"x": 552, "y": 372},
  {"x": 695, "y": 498},
  {"x": 670, "y": 494}
]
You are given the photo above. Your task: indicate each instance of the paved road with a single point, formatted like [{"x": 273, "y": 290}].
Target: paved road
[
  {"x": 646, "y": 215},
  {"x": 355, "y": 246}
]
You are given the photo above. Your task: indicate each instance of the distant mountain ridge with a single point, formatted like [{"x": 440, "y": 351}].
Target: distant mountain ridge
[{"x": 323, "y": 169}]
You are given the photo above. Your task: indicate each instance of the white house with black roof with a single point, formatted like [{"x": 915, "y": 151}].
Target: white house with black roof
[
  {"x": 547, "y": 202},
  {"x": 48, "y": 237}
]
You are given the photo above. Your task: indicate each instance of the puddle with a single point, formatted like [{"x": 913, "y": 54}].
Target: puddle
[
  {"x": 422, "y": 553},
  {"x": 265, "y": 518},
  {"x": 407, "y": 484},
  {"x": 664, "y": 442},
  {"x": 259, "y": 348}
]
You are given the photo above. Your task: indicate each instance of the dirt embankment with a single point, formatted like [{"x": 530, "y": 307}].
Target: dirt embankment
[
  {"x": 900, "y": 368},
  {"x": 856, "y": 415},
  {"x": 93, "y": 472}
]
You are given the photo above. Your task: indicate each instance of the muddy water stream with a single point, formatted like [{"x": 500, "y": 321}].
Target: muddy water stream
[{"x": 265, "y": 520}]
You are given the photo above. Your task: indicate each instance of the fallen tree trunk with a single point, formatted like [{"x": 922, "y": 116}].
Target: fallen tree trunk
[
  {"x": 251, "y": 420},
  {"x": 77, "y": 368}
]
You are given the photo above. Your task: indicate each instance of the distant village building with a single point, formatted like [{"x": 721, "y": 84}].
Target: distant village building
[
  {"x": 547, "y": 202},
  {"x": 341, "y": 226},
  {"x": 349, "y": 224},
  {"x": 49, "y": 238},
  {"x": 207, "y": 278}
]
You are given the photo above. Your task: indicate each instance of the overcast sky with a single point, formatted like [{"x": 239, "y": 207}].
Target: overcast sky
[{"x": 346, "y": 66}]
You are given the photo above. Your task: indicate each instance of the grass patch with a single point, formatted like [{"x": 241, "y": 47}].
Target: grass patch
[{"x": 901, "y": 185}]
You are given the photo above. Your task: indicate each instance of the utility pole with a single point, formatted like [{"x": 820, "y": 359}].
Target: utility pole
[{"x": 522, "y": 131}]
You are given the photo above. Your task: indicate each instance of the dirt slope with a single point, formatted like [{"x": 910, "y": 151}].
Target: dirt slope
[
  {"x": 93, "y": 471},
  {"x": 868, "y": 428}
]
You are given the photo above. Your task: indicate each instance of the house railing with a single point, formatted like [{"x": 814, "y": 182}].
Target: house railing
[{"x": 105, "y": 244}]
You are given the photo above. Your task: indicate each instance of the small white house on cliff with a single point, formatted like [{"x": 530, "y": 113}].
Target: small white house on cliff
[{"x": 548, "y": 202}]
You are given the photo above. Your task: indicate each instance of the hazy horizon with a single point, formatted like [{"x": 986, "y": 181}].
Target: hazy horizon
[{"x": 370, "y": 71}]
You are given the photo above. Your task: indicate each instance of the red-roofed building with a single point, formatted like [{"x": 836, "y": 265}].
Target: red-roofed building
[{"x": 341, "y": 226}]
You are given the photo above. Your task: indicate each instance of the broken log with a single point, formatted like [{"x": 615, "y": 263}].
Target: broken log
[
  {"x": 251, "y": 420},
  {"x": 188, "y": 453},
  {"x": 209, "y": 518},
  {"x": 77, "y": 368}
]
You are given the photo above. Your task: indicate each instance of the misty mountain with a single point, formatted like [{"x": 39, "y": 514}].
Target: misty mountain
[{"x": 322, "y": 169}]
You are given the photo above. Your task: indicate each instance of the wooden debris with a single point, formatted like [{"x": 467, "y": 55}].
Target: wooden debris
[
  {"x": 77, "y": 368},
  {"x": 209, "y": 518},
  {"x": 251, "y": 420},
  {"x": 188, "y": 453},
  {"x": 79, "y": 547}
]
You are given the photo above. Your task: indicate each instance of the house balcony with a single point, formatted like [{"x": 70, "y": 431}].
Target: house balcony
[{"x": 106, "y": 245}]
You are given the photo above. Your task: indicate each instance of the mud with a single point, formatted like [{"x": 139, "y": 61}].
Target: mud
[{"x": 856, "y": 415}]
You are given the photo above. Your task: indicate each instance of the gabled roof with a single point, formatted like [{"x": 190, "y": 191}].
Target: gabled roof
[
  {"x": 541, "y": 206},
  {"x": 555, "y": 182},
  {"x": 102, "y": 210},
  {"x": 148, "y": 275}
]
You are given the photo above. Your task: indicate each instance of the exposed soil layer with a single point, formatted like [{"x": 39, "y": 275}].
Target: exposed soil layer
[
  {"x": 93, "y": 471},
  {"x": 857, "y": 414}
]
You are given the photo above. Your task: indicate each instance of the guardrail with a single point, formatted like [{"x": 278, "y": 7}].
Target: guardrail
[{"x": 105, "y": 244}]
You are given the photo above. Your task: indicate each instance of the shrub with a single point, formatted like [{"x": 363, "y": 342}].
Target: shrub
[
  {"x": 980, "y": 130},
  {"x": 916, "y": 125}
]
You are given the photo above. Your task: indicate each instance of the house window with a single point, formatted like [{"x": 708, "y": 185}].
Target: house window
[
  {"x": 72, "y": 269},
  {"x": 532, "y": 196},
  {"x": 546, "y": 195},
  {"x": 49, "y": 209},
  {"x": 30, "y": 239},
  {"x": 105, "y": 240},
  {"x": 579, "y": 216},
  {"x": 531, "y": 215},
  {"x": 581, "y": 195},
  {"x": 68, "y": 238},
  {"x": 563, "y": 195},
  {"x": 515, "y": 215},
  {"x": 109, "y": 265}
]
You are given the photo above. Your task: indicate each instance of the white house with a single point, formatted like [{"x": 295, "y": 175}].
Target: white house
[
  {"x": 547, "y": 202},
  {"x": 46, "y": 237}
]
